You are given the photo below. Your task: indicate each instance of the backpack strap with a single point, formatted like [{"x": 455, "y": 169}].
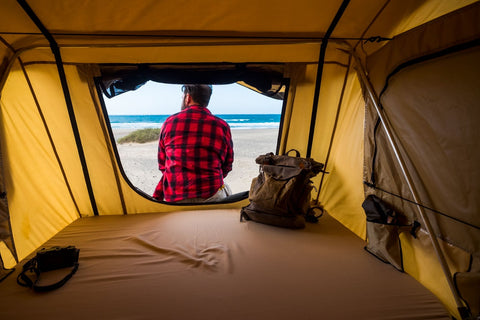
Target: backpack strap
[
  {"x": 297, "y": 153},
  {"x": 311, "y": 216}
]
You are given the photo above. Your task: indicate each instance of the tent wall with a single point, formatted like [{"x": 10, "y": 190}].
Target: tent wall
[
  {"x": 39, "y": 201},
  {"x": 340, "y": 192},
  {"x": 427, "y": 82},
  {"x": 433, "y": 110},
  {"x": 338, "y": 135},
  {"x": 435, "y": 125},
  {"x": 444, "y": 162},
  {"x": 7, "y": 246}
]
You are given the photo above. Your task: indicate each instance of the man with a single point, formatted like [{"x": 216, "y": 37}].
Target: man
[{"x": 195, "y": 151}]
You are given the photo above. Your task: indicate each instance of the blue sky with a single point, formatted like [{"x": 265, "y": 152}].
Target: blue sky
[{"x": 156, "y": 98}]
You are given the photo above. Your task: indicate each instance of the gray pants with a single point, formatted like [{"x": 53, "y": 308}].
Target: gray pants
[{"x": 222, "y": 193}]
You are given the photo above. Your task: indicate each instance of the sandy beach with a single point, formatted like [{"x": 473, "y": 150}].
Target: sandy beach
[{"x": 139, "y": 160}]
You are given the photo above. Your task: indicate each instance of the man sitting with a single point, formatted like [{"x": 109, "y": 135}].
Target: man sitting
[{"x": 195, "y": 151}]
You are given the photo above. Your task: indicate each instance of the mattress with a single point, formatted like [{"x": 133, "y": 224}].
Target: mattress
[{"x": 208, "y": 265}]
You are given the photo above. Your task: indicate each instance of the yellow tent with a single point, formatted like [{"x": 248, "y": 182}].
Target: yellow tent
[{"x": 384, "y": 92}]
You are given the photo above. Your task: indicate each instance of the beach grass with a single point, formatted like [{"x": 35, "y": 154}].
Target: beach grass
[{"x": 141, "y": 136}]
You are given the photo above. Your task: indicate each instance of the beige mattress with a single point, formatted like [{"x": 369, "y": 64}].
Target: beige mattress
[{"x": 209, "y": 265}]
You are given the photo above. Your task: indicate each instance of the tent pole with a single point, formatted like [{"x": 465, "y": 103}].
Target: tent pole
[
  {"x": 68, "y": 100},
  {"x": 464, "y": 313},
  {"x": 321, "y": 60}
]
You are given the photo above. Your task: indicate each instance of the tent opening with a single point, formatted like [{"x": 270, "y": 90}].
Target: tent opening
[{"x": 137, "y": 108}]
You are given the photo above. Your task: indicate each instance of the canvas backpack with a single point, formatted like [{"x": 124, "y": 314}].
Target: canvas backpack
[{"x": 280, "y": 194}]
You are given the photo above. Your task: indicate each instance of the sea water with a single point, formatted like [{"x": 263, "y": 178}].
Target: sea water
[{"x": 235, "y": 121}]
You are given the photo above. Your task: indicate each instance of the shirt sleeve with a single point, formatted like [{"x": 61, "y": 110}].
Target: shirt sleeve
[
  {"x": 161, "y": 151},
  {"x": 227, "y": 165}
]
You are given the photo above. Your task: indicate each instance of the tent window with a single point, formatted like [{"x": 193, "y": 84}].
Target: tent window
[{"x": 135, "y": 99}]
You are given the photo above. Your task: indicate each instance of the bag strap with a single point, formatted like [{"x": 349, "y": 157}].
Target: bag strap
[
  {"x": 30, "y": 266},
  {"x": 297, "y": 153},
  {"x": 311, "y": 216}
]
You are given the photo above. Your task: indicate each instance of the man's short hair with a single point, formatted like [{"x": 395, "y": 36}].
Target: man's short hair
[{"x": 200, "y": 93}]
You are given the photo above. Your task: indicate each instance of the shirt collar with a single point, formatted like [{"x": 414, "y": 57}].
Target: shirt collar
[{"x": 196, "y": 107}]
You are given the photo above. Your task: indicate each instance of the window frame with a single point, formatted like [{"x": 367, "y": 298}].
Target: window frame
[{"x": 100, "y": 87}]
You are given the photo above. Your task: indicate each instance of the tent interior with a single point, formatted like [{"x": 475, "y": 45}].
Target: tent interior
[{"x": 385, "y": 93}]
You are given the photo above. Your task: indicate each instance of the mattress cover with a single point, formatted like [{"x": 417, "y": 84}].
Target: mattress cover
[{"x": 208, "y": 265}]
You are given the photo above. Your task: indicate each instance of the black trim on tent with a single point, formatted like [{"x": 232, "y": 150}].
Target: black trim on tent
[
  {"x": 282, "y": 116},
  {"x": 106, "y": 126},
  {"x": 98, "y": 83},
  {"x": 441, "y": 53},
  {"x": 318, "y": 82},
  {"x": 269, "y": 37},
  {"x": 63, "y": 79}
]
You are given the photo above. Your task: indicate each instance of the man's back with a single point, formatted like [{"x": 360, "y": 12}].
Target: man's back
[{"x": 195, "y": 153}]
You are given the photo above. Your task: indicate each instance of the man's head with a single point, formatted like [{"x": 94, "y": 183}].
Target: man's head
[{"x": 196, "y": 94}]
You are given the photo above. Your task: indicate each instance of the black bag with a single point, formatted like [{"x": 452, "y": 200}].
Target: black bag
[
  {"x": 383, "y": 232},
  {"x": 46, "y": 260},
  {"x": 280, "y": 195},
  {"x": 378, "y": 211}
]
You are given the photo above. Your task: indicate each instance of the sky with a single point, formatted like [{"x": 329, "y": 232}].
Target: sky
[{"x": 156, "y": 98}]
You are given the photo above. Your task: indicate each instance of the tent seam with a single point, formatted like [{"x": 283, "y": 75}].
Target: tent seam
[{"x": 50, "y": 139}]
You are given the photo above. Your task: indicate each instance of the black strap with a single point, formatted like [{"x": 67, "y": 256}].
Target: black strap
[
  {"x": 420, "y": 205},
  {"x": 244, "y": 215},
  {"x": 56, "y": 285},
  {"x": 311, "y": 217},
  {"x": 4, "y": 273},
  {"x": 297, "y": 153},
  {"x": 25, "y": 281}
]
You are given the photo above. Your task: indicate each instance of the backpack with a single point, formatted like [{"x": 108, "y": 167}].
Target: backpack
[{"x": 280, "y": 194}]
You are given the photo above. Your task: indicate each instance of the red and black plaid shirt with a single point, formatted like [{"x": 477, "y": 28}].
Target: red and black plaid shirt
[{"x": 195, "y": 153}]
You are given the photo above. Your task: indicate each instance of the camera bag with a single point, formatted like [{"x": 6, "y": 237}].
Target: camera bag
[{"x": 48, "y": 259}]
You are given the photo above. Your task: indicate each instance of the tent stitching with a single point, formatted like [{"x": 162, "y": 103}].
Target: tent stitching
[
  {"x": 49, "y": 135},
  {"x": 61, "y": 72}
]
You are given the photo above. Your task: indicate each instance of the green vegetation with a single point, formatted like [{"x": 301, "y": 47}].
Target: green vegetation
[{"x": 141, "y": 136}]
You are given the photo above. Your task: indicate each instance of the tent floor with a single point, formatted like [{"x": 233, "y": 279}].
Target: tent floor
[{"x": 208, "y": 265}]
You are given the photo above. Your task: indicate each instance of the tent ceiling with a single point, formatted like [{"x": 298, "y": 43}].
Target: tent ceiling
[
  {"x": 92, "y": 31},
  {"x": 91, "y": 16},
  {"x": 88, "y": 30},
  {"x": 302, "y": 18}
]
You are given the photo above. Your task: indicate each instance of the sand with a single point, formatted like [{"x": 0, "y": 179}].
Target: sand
[{"x": 139, "y": 160}]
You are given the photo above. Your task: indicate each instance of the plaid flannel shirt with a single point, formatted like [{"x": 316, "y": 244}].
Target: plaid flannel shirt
[{"x": 195, "y": 153}]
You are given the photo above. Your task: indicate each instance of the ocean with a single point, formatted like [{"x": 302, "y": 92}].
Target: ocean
[{"x": 235, "y": 121}]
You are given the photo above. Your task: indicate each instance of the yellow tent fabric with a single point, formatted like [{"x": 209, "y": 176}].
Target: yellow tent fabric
[{"x": 44, "y": 176}]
